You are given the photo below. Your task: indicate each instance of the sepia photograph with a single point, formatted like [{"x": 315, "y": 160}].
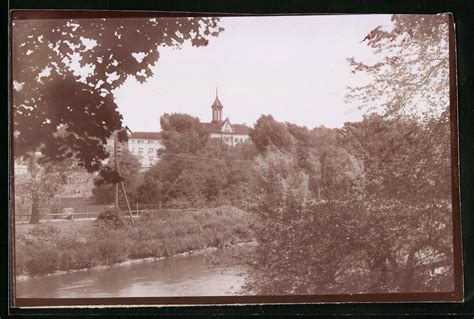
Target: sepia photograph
[{"x": 296, "y": 156}]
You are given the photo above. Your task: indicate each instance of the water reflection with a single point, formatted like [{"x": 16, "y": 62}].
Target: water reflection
[{"x": 177, "y": 276}]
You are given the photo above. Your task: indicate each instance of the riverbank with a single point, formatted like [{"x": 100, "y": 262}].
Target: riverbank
[
  {"x": 187, "y": 274},
  {"x": 233, "y": 257},
  {"x": 66, "y": 246}
]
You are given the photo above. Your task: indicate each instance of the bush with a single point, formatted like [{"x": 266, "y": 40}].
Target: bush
[
  {"x": 111, "y": 218},
  {"x": 111, "y": 251},
  {"x": 41, "y": 260}
]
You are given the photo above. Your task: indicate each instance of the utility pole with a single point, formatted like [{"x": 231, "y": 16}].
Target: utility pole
[
  {"x": 116, "y": 183},
  {"x": 117, "y": 154}
]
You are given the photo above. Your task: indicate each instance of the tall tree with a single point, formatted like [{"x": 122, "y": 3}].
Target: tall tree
[
  {"x": 65, "y": 70},
  {"x": 411, "y": 74},
  {"x": 195, "y": 169},
  {"x": 406, "y": 198},
  {"x": 39, "y": 190},
  {"x": 396, "y": 234},
  {"x": 269, "y": 133},
  {"x": 406, "y": 151},
  {"x": 182, "y": 133}
]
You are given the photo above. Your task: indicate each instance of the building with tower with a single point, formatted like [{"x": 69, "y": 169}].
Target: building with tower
[
  {"x": 146, "y": 145},
  {"x": 224, "y": 130}
]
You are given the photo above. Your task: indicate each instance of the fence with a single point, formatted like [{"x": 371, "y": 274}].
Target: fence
[
  {"x": 23, "y": 214},
  {"x": 85, "y": 211},
  {"x": 93, "y": 211}
]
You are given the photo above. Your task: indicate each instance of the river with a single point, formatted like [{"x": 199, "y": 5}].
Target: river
[{"x": 190, "y": 275}]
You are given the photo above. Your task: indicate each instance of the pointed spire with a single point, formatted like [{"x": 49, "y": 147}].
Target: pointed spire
[
  {"x": 217, "y": 109},
  {"x": 216, "y": 102}
]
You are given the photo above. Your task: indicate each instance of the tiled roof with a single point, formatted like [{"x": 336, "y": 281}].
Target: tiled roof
[
  {"x": 216, "y": 128},
  {"x": 208, "y": 127},
  {"x": 212, "y": 127},
  {"x": 240, "y": 129},
  {"x": 145, "y": 136}
]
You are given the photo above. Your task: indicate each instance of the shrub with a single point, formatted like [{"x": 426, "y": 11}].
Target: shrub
[
  {"x": 41, "y": 259},
  {"x": 111, "y": 251},
  {"x": 41, "y": 233},
  {"x": 110, "y": 218}
]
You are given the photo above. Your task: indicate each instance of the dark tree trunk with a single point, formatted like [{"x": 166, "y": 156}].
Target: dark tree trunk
[{"x": 35, "y": 214}]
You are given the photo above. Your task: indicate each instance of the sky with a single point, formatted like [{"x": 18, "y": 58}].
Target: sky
[{"x": 294, "y": 68}]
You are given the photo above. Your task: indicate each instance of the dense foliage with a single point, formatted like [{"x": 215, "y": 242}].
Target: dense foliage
[
  {"x": 194, "y": 170},
  {"x": 379, "y": 218},
  {"x": 385, "y": 226}
]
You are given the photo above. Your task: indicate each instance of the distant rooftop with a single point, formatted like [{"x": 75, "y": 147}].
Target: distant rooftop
[
  {"x": 145, "y": 136},
  {"x": 217, "y": 127}
]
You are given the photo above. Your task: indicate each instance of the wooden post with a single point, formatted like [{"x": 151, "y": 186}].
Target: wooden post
[
  {"x": 116, "y": 184},
  {"x": 128, "y": 204}
]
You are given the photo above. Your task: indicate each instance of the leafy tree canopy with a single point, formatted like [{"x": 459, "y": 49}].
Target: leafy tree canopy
[
  {"x": 268, "y": 132},
  {"x": 65, "y": 70},
  {"x": 410, "y": 75},
  {"x": 194, "y": 169},
  {"x": 182, "y": 133}
]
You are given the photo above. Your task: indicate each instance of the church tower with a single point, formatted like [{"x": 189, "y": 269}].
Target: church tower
[{"x": 216, "y": 110}]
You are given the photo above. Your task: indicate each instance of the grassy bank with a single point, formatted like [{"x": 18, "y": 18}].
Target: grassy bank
[{"x": 46, "y": 248}]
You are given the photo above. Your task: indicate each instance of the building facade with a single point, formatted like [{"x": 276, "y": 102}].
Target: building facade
[
  {"x": 145, "y": 146},
  {"x": 231, "y": 134}
]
